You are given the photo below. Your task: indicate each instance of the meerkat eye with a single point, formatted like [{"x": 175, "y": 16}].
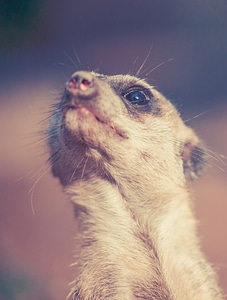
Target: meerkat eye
[{"x": 137, "y": 97}]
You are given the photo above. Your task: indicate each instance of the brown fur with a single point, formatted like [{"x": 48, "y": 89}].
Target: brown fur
[{"x": 124, "y": 156}]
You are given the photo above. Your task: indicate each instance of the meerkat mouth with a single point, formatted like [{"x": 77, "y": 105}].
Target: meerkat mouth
[{"x": 86, "y": 113}]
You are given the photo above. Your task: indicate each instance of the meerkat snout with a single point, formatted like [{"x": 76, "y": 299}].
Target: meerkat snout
[{"x": 80, "y": 81}]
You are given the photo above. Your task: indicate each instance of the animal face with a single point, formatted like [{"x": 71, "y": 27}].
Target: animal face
[{"x": 119, "y": 126}]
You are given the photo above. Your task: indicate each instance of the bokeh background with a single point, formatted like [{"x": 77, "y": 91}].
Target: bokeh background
[{"x": 41, "y": 44}]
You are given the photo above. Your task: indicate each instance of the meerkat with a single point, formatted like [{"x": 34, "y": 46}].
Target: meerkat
[{"x": 125, "y": 158}]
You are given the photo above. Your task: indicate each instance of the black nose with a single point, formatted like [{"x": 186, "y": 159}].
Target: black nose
[{"x": 80, "y": 80}]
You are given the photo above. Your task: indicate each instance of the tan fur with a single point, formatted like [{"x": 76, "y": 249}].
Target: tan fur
[{"x": 126, "y": 171}]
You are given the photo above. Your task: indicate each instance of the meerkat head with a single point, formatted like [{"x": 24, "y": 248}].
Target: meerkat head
[{"x": 111, "y": 125}]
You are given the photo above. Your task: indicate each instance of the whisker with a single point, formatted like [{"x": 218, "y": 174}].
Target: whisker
[
  {"x": 215, "y": 156},
  {"x": 77, "y": 56},
  {"x": 66, "y": 66},
  {"x": 74, "y": 171},
  {"x": 218, "y": 157},
  {"x": 32, "y": 189},
  {"x": 197, "y": 116},
  {"x": 200, "y": 159},
  {"x": 53, "y": 158},
  {"x": 144, "y": 62},
  {"x": 84, "y": 167},
  {"x": 131, "y": 70},
  {"x": 72, "y": 61},
  {"x": 157, "y": 66}
]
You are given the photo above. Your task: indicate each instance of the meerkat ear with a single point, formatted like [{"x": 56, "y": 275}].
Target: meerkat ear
[{"x": 194, "y": 158}]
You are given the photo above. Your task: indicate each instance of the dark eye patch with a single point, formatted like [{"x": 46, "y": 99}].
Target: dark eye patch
[{"x": 138, "y": 97}]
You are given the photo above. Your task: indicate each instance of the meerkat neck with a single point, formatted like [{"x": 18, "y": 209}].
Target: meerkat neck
[
  {"x": 129, "y": 253},
  {"x": 114, "y": 255}
]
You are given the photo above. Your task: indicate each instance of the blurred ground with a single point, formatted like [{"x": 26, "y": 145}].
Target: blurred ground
[{"x": 39, "y": 49}]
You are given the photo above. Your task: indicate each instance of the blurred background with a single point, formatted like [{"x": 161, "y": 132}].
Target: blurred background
[{"x": 41, "y": 44}]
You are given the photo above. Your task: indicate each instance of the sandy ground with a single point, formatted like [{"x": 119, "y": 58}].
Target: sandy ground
[{"x": 37, "y": 228}]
